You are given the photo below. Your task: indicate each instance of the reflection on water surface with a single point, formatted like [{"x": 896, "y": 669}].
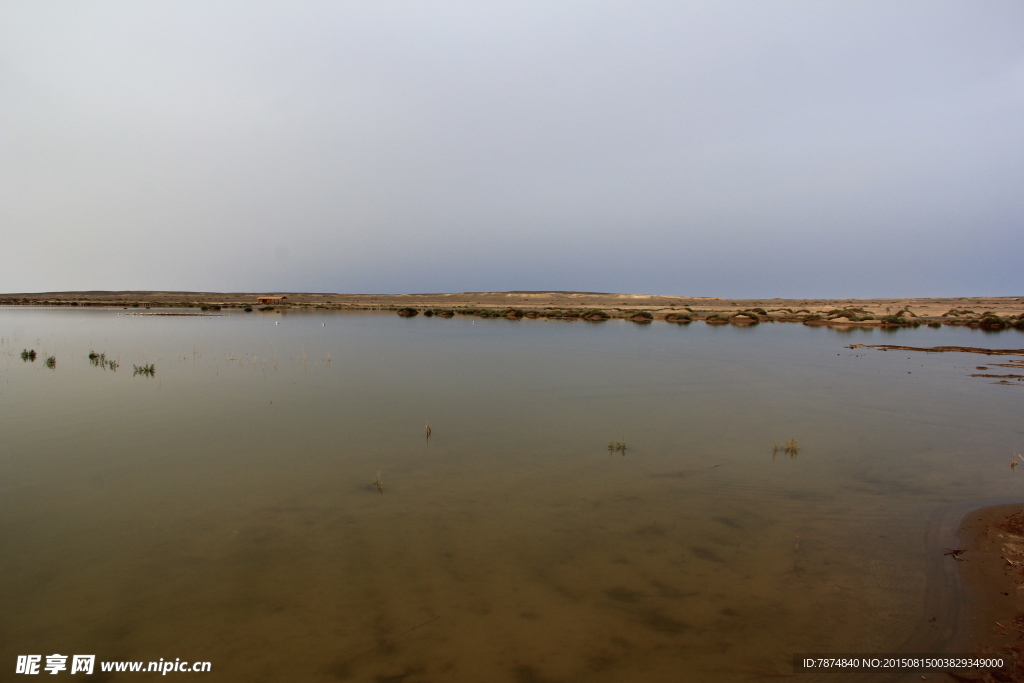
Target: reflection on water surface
[{"x": 222, "y": 509}]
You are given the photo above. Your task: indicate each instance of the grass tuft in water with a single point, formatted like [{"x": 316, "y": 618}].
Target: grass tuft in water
[
  {"x": 99, "y": 360},
  {"x": 378, "y": 483},
  {"x": 146, "y": 370},
  {"x": 27, "y": 355},
  {"x": 790, "y": 447},
  {"x": 617, "y": 446},
  {"x": 51, "y": 362}
]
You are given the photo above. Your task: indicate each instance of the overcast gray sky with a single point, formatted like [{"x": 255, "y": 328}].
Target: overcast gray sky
[{"x": 713, "y": 148}]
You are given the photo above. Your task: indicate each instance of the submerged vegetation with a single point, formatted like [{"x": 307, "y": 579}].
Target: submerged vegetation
[{"x": 617, "y": 446}]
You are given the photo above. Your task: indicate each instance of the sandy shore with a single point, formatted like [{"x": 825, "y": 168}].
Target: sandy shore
[
  {"x": 966, "y": 310},
  {"x": 992, "y": 568}
]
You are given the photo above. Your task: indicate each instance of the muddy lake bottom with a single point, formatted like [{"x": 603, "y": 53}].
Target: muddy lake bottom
[{"x": 222, "y": 509}]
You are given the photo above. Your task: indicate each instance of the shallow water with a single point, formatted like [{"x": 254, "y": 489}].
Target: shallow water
[{"x": 222, "y": 509}]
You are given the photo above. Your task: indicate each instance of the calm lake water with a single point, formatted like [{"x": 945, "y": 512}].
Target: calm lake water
[{"x": 222, "y": 510}]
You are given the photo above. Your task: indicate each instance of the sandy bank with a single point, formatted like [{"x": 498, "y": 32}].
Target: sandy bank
[{"x": 992, "y": 568}]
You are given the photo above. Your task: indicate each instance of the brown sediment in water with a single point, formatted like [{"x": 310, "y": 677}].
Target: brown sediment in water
[
  {"x": 941, "y": 349},
  {"x": 992, "y": 567}
]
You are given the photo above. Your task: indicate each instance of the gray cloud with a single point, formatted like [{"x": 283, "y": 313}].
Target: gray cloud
[{"x": 763, "y": 149}]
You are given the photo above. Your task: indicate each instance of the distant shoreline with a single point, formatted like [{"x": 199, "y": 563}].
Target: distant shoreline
[{"x": 984, "y": 312}]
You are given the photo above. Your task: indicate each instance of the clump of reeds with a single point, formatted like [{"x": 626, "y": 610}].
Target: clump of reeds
[
  {"x": 27, "y": 355},
  {"x": 146, "y": 370},
  {"x": 378, "y": 483},
  {"x": 617, "y": 446},
  {"x": 51, "y": 362},
  {"x": 407, "y": 312}
]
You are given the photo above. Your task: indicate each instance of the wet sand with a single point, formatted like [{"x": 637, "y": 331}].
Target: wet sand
[{"x": 992, "y": 567}]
